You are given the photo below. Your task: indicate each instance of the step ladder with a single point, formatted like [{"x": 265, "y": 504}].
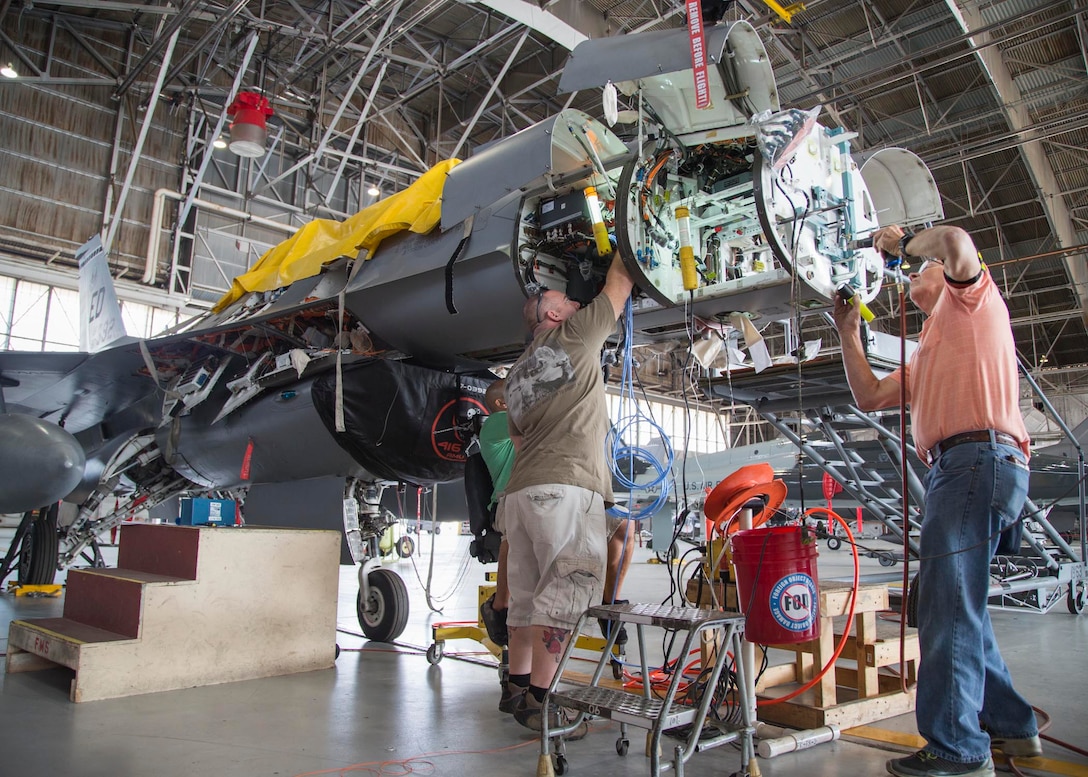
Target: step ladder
[{"x": 656, "y": 714}]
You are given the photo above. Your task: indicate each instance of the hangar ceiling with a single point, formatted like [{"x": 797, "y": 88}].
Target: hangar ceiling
[{"x": 992, "y": 95}]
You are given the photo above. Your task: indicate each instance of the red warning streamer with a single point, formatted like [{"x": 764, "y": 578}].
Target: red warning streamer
[{"x": 698, "y": 53}]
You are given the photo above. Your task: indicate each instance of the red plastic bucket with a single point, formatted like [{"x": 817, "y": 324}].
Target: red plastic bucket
[{"x": 777, "y": 587}]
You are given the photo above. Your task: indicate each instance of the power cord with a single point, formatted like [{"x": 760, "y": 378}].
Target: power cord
[{"x": 632, "y": 424}]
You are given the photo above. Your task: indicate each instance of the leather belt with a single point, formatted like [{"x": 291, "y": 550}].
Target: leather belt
[{"x": 985, "y": 435}]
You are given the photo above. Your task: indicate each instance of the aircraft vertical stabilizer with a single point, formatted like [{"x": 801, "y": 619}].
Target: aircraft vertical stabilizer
[{"x": 100, "y": 323}]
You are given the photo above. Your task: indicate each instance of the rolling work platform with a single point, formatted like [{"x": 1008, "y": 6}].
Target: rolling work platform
[
  {"x": 811, "y": 405},
  {"x": 659, "y": 713}
]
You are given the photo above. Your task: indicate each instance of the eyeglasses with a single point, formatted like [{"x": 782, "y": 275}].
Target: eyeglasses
[
  {"x": 539, "y": 300},
  {"x": 930, "y": 263}
]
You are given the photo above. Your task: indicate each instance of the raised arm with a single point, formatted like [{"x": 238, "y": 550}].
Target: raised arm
[
  {"x": 617, "y": 284},
  {"x": 870, "y": 392},
  {"x": 951, "y": 245}
]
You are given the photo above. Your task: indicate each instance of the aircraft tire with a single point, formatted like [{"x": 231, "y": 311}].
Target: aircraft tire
[
  {"x": 385, "y": 614},
  {"x": 38, "y": 554},
  {"x": 12, "y": 560}
]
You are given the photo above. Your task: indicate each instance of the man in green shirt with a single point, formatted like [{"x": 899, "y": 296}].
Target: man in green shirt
[{"x": 497, "y": 450}]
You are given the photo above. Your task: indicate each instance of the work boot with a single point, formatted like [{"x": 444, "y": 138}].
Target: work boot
[
  {"x": 511, "y": 697},
  {"x": 925, "y": 764},
  {"x": 621, "y": 637},
  {"x": 1013, "y": 747},
  {"x": 528, "y": 715},
  {"x": 495, "y": 622}
]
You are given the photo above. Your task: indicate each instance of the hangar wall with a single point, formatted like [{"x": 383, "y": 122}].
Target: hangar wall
[
  {"x": 58, "y": 152},
  {"x": 69, "y": 140}
]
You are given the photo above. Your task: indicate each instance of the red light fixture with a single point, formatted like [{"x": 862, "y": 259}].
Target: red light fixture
[{"x": 249, "y": 130}]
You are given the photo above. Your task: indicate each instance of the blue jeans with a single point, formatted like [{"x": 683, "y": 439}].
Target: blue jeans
[{"x": 973, "y": 491}]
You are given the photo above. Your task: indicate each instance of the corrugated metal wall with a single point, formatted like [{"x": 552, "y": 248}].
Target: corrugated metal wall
[
  {"x": 55, "y": 152},
  {"x": 66, "y": 144}
]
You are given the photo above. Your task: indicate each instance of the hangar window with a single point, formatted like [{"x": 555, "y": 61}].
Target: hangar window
[
  {"x": 39, "y": 317},
  {"x": 29, "y": 308},
  {"x": 692, "y": 429}
]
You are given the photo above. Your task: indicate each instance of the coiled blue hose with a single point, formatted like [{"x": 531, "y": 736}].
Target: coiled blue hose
[{"x": 621, "y": 456}]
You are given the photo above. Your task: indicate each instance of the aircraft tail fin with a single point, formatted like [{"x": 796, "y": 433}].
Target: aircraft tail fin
[{"x": 100, "y": 323}]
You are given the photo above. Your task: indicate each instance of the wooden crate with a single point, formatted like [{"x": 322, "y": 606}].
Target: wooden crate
[{"x": 864, "y": 685}]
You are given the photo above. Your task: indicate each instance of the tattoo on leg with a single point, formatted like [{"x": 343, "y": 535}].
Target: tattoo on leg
[{"x": 554, "y": 639}]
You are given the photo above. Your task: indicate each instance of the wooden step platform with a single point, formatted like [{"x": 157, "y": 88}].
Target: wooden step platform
[
  {"x": 862, "y": 687},
  {"x": 190, "y": 606}
]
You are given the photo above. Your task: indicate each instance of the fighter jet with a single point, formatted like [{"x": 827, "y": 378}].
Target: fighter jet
[{"x": 366, "y": 359}]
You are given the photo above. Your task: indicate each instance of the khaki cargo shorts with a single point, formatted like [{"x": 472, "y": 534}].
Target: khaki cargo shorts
[{"x": 557, "y": 553}]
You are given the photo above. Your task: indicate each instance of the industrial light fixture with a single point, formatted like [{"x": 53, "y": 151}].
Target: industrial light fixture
[
  {"x": 9, "y": 71},
  {"x": 373, "y": 191},
  {"x": 220, "y": 142},
  {"x": 249, "y": 130}
]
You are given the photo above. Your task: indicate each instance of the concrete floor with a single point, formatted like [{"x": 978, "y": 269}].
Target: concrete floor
[{"x": 383, "y": 709}]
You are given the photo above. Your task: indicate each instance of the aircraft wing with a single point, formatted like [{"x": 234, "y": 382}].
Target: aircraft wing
[{"x": 75, "y": 390}]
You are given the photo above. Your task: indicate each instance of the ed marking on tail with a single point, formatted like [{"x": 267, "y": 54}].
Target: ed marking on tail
[{"x": 99, "y": 312}]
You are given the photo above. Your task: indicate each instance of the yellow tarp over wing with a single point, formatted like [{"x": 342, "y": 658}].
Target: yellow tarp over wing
[{"x": 418, "y": 208}]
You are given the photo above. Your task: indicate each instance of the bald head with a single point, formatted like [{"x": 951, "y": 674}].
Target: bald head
[
  {"x": 495, "y": 396},
  {"x": 547, "y": 310}
]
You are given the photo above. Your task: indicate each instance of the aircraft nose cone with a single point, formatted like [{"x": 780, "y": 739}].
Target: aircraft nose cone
[{"x": 40, "y": 463}]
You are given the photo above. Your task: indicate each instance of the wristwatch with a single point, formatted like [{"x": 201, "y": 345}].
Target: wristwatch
[{"x": 907, "y": 237}]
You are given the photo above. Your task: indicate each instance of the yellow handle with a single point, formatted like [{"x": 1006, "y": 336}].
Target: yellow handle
[
  {"x": 863, "y": 309},
  {"x": 688, "y": 273},
  {"x": 600, "y": 236}
]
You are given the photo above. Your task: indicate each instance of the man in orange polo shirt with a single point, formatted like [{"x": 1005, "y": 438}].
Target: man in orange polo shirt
[{"x": 962, "y": 388}]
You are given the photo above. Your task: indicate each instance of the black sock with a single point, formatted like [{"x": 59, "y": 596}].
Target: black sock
[
  {"x": 538, "y": 693},
  {"x": 520, "y": 680}
]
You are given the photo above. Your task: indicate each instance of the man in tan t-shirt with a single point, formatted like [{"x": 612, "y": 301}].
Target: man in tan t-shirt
[{"x": 554, "y": 504}]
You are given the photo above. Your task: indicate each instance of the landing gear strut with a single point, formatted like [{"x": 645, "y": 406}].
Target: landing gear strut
[{"x": 382, "y": 603}]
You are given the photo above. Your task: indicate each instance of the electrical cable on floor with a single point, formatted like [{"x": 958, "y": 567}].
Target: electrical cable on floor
[{"x": 1043, "y": 726}]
